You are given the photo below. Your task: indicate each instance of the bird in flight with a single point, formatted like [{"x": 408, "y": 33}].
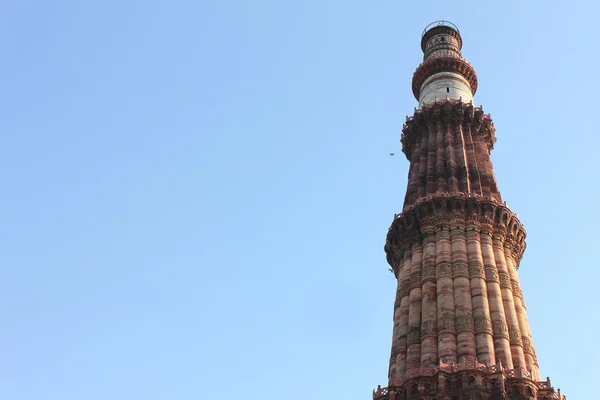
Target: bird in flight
[{"x": 391, "y": 154}]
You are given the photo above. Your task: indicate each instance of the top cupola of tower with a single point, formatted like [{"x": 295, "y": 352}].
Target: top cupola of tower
[
  {"x": 441, "y": 38},
  {"x": 444, "y": 73}
]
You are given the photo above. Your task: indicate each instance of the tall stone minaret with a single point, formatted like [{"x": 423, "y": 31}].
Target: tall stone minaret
[{"x": 460, "y": 323}]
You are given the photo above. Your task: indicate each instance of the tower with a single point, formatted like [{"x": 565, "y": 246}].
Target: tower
[{"x": 460, "y": 324}]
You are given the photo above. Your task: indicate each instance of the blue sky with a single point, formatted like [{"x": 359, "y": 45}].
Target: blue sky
[{"x": 196, "y": 194}]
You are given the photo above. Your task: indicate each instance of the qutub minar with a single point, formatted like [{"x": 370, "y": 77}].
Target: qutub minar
[{"x": 460, "y": 324}]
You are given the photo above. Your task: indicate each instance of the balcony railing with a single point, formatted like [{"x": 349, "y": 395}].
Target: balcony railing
[
  {"x": 383, "y": 393},
  {"x": 440, "y": 23}
]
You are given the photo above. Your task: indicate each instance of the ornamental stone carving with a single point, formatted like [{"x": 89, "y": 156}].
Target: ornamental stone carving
[
  {"x": 504, "y": 279},
  {"x": 476, "y": 270},
  {"x": 415, "y": 281},
  {"x": 405, "y": 288},
  {"x": 464, "y": 324},
  {"x": 445, "y": 325},
  {"x": 491, "y": 275},
  {"x": 460, "y": 269},
  {"x": 517, "y": 290},
  {"x": 413, "y": 336},
  {"x": 483, "y": 325},
  {"x": 500, "y": 329},
  {"x": 439, "y": 211},
  {"x": 402, "y": 344},
  {"x": 514, "y": 335},
  {"x": 443, "y": 270},
  {"x": 455, "y": 249},
  {"x": 428, "y": 274},
  {"x": 527, "y": 347},
  {"x": 428, "y": 329}
]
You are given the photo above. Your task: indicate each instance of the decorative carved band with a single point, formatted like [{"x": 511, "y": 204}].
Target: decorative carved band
[
  {"x": 415, "y": 281},
  {"x": 439, "y": 30},
  {"x": 517, "y": 290},
  {"x": 440, "y": 209},
  {"x": 446, "y": 114},
  {"x": 476, "y": 271},
  {"x": 514, "y": 335},
  {"x": 483, "y": 325},
  {"x": 500, "y": 329},
  {"x": 527, "y": 346},
  {"x": 504, "y": 280},
  {"x": 464, "y": 324},
  {"x": 405, "y": 288},
  {"x": 491, "y": 275},
  {"x": 460, "y": 269},
  {"x": 428, "y": 329},
  {"x": 394, "y": 354},
  {"x": 443, "y": 270},
  {"x": 402, "y": 344},
  {"x": 428, "y": 274},
  {"x": 445, "y": 325},
  {"x": 414, "y": 335},
  {"x": 434, "y": 65}
]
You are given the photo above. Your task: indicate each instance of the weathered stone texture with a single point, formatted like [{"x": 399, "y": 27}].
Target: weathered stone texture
[{"x": 460, "y": 323}]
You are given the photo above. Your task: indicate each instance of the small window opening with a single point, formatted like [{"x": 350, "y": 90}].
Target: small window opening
[{"x": 447, "y": 90}]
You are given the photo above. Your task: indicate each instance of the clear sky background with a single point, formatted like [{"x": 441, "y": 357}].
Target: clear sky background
[{"x": 196, "y": 194}]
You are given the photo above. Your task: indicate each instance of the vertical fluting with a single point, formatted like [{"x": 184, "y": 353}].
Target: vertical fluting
[
  {"x": 492, "y": 177},
  {"x": 481, "y": 309},
  {"x": 445, "y": 297},
  {"x": 465, "y": 336},
  {"x": 511, "y": 264},
  {"x": 461, "y": 160},
  {"x": 473, "y": 171},
  {"x": 455, "y": 249},
  {"x": 499, "y": 328},
  {"x": 404, "y": 278},
  {"x": 422, "y": 188},
  {"x": 413, "y": 338},
  {"x": 429, "y": 347},
  {"x": 395, "y": 331},
  {"x": 440, "y": 162},
  {"x": 514, "y": 332},
  {"x": 451, "y": 159},
  {"x": 480, "y": 155},
  {"x": 431, "y": 158},
  {"x": 413, "y": 175}
]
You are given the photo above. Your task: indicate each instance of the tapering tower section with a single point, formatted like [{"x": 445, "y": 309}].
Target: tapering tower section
[{"x": 460, "y": 323}]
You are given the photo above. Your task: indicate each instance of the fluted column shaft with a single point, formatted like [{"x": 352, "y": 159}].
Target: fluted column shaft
[
  {"x": 413, "y": 339},
  {"x": 404, "y": 278},
  {"x": 422, "y": 187},
  {"x": 530, "y": 360},
  {"x": 473, "y": 170},
  {"x": 481, "y": 308},
  {"x": 441, "y": 181},
  {"x": 499, "y": 328},
  {"x": 451, "y": 158},
  {"x": 395, "y": 331},
  {"x": 514, "y": 331},
  {"x": 413, "y": 176},
  {"x": 429, "y": 347},
  {"x": 431, "y": 158},
  {"x": 482, "y": 158},
  {"x": 461, "y": 160},
  {"x": 465, "y": 336},
  {"x": 445, "y": 297}
]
